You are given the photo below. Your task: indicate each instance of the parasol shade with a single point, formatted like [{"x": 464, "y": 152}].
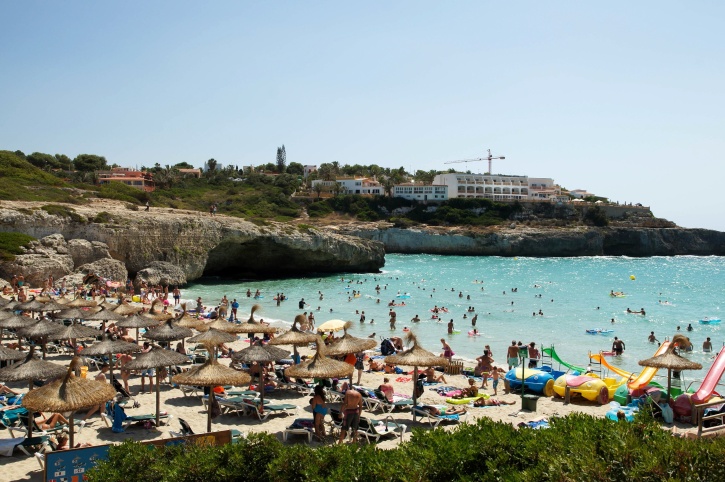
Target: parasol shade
[
  {"x": 294, "y": 336},
  {"x": 213, "y": 338},
  {"x": 126, "y": 309},
  {"x": 168, "y": 331},
  {"x": 136, "y": 321},
  {"x": 104, "y": 315},
  {"x": 31, "y": 369},
  {"x": 75, "y": 330},
  {"x": 349, "y": 344},
  {"x": 319, "y": 366},
  {"x": 6, "y": 354},
  {"x": 416, "y": 356},
  {"x": 108, "y": 346},
  {"x": 332, "y": 325},
  {"x": 81, "y": 303},
  {"x": 260, "y": 354}
]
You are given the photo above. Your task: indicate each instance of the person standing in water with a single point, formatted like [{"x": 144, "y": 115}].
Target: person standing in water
[{"x": 618, "y": 346}]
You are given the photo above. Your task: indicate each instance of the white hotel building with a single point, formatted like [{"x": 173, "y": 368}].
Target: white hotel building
[
  {"x": 498, "y": 187},
  {"x": 421, "y": 192},
  {"x": 351, "y": 185}
]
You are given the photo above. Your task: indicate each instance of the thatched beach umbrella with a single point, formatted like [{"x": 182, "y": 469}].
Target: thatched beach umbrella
[
  {"x": 136, "y": 322},
  {"x": 416, "y": 356},
  {"x": 6, "y": 354},
  {"x": 40, "y": 330},
  {"x": 294, "y": 337},
  {"x": 213, "y": 338},
  {"x": 252, "y": 326},
  {"x": 52, "y": 306},
  {"x": 75, "y": 331},
  {"x": 262, "y": 355},
  {"x": 68, "y": 394},
  {"x": 156, "y": 358},
  {"x": 319, "y": 366},
  {"x": 103, "y": 316},
  {"x": 73, "y": 314},
  {"x": 349, "y": 344},
  {"x": 32, "y": 305},
  {"x": 158, "y": 314},
  {"x": 10, "y": 306},
  {"x": 211, "y": 374},
  {"x": 15, "y": 322},
  {"x": 671, "y": 361},
  {"x": 81, "y": 303},
  {"x": 188, "y": 321},
  {"x": 126, "y": 309},
  {"x": 107, "y": 346},
  {"x": 168, "y": 331}
]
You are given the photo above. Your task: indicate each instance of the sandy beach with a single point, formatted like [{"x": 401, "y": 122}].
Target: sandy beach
[{"x": 191, "y": 409}]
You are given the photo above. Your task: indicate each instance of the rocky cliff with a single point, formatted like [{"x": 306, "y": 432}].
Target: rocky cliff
[
  {"x": 195, "y": 242},
  {"x": 545, "y": 242}
]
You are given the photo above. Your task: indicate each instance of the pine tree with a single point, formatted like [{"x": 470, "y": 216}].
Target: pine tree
[{"x": 281, "y": 159}]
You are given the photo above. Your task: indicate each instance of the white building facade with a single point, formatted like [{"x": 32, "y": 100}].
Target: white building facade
[
  {"x": 353, "y": 186},
  {"x": 420, "y": 192},
  {"x": 498, "y": 187}
]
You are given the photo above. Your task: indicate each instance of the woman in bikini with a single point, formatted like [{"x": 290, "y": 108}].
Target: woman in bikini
[{"x": 319, "y": 410}]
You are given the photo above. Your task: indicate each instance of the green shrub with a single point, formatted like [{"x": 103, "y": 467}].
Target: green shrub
[
  {"x": 62, "y": 211},
  {"x": 577, "y": 447},
  {"x": 102, "y": 218},
  {"x": 10, "y": 244}
]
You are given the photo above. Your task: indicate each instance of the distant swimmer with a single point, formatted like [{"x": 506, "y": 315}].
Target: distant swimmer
[
  {"x": 415, "y": 319},
  {"x": 707, "y": 345},
  {"x": 651, "y": 338}
]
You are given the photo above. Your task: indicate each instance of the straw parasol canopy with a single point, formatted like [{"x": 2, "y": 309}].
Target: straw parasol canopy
[
  {"x": 136, "y": 321},
  {"x": 81, "y": 303},
  {"x": 211, "y": 374},
  {"x": 73, "y": 314},
  {"x": 156, "y": 358},
  {"x": 168, "y": 331},
  {"x": 6, "y": 354},
  {"x": 332, "y": 325},
  {"x": 41, "y": 330},
  {"x": 10, "y": 306},
  {"x": 74, "y": 331},
  {"x": 212, "y": 338},
  {"x": 68, "y": 394},
  {"x": 671, "y": 361},
  {"x": 15, "y": 321},
  {"x": 108, "y": 346},
  {"x": 52, "y": 306},
  {"x": 188, "y": 321},
  {"x": 32, "y": 305},
  {"x": 3, "y": 301},
  {"x": 262, "y": 355},
  {"x": 319, "y": 366},
  {"x": 416, "y": 356},
  {"x": 158, "y": 315},
  {"x": 104, "y": 315},
  {"x": 294, "y": 336},
  {"x": 252, "y": 326},
  {"x": 349, "y": 344},
  {"x": 31, "y": 369},
  {"x": 126, "y": 309},
  {"x": 221, "y": 324}
]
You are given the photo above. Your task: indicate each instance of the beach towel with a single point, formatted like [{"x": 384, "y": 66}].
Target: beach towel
[{"x": 403, "y": 379}]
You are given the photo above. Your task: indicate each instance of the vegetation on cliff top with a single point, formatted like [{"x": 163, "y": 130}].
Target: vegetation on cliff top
[{"x": 11, "y": 244}]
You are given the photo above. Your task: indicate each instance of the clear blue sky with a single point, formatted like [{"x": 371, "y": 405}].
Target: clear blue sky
[{"x": 624, "y": 100}]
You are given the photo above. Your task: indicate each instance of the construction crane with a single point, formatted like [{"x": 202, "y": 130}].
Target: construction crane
[{"x": 489, "y": 158}]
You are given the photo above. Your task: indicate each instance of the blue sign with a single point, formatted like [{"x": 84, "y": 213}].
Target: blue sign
[{"x": 71, "y": 465}]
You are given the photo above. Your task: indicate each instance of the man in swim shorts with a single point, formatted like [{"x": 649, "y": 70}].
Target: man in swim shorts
[
  {"x": 618, "y": 346},
  {"x": 351, "y": 409},
  {"x": 512, "y": 354}
]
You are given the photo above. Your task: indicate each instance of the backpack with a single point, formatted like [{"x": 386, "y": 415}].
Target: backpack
[
  {"x": 387, "y": 348},
  {"x": 419, "y": 387}
]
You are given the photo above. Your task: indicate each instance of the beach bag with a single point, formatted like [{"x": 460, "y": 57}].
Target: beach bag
[
  {"x": 667, "y": 413},
  {"x": 387, "y": 348},
  {"x": 419, "y": 388}
]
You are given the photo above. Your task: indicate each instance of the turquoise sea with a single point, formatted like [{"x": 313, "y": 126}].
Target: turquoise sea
[{"x": 572, "y": 294}]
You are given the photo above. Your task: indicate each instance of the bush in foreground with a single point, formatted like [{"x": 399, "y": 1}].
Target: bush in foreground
[{"x": 578, "y": 447}]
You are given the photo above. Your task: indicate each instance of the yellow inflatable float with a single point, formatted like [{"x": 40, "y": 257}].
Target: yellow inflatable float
[{"x": 590, "y": 387}]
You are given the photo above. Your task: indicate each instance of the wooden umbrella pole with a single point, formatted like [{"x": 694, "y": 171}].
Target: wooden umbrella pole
[
  {"x": 70, "y": 430},
  {"x": 158, "y": 398},
  {"x": 415, "y": 390},
  {"x": 211, "y": 402}
]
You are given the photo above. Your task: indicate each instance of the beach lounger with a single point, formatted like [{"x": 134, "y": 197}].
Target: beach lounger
[
  {"x": 40, "y": 443},
  {"x": 380, "y": 402},
  {"x": 374, "y": 430},
  {"x": 253, "y": 408},
  {"x": 164, "y": 419},
  {"x": 435, "y": 420},
  {"x": 336, "y": 420},
  {"x": 301, "y": 426},
  {"x": 186, "y": 430}
]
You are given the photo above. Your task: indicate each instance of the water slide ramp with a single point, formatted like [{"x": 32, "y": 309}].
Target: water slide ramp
[
  {"x": 554, "y": 356},
  {"x": 711, "y": 379},
  {"x": 648, "y": 373},
  {"x": 600, "y": 359}
]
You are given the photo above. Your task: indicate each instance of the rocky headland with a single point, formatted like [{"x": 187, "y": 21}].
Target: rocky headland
[
  {"x": 176, "y": 246},
  {"x": 172, "y": 246},
  {"x": 521, "y": 240}
]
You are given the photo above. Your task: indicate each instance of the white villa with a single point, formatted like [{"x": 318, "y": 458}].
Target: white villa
[
  {"x": 580, "y": 193},
  {"x": 499, "y": 187},
  {"x": 352, "y": 185},
  {"x": 421, "y": 192}
]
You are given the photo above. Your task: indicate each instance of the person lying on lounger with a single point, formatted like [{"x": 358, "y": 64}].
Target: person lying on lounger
[
  {"x": 490, "y": 402},
  {"x": 435, "y": 411}
]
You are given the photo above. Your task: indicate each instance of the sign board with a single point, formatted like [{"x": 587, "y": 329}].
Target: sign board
[{"x": 71, "y": 465}]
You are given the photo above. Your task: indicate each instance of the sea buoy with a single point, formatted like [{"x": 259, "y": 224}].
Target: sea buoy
[{"x": 632, "y": 277}]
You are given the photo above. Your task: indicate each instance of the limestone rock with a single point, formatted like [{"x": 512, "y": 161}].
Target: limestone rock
[
  {"x": 84, "y": 252},
  {"x": 109, "y": 268},
  {"x": 161, "y": 272},
  {"x": 37, "y": 267}
]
